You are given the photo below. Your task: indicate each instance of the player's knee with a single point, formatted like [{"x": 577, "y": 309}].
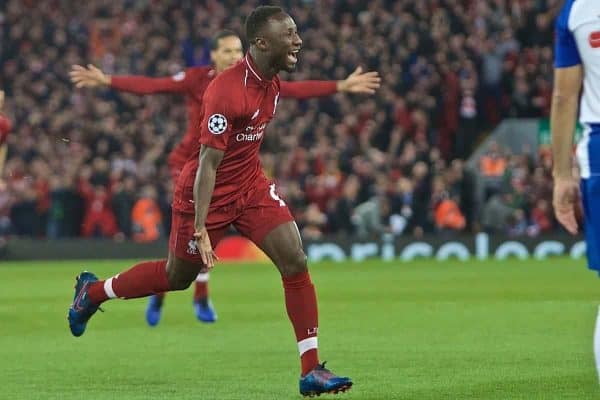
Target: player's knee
[
  {"x": 295, "y": 263},
  {"x": 178, "y": 283},
  {"x": 180, "y": 277}
]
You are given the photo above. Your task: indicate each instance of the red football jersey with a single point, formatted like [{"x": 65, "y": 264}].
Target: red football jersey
[{"x": 238, "y": 106}]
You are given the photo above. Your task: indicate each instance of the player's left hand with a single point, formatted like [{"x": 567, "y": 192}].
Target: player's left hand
[
  {"x": 566, "y": 203},
  {"x": 91, "y": 76},
  {"x": 207, "y": 253},
  {"x": 360, "y": 82}
]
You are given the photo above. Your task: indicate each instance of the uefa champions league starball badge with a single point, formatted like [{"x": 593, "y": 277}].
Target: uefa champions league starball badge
[{"x": 217, "y": 123}]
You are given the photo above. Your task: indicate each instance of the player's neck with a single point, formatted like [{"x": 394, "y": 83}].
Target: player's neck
[{"x": 262, "y": 64}]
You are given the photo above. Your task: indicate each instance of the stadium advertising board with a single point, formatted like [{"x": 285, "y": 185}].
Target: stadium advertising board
[
  {"x": 236, "y": 248},
  {"x": 481, "y": 246}
]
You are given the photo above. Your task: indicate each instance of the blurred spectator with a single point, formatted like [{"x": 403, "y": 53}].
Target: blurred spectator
[
  {"x": 368, "y": 216},
  {"x": 448, "y": 216},
  {"x": 340, "y": 211},
  {"x": 517, "y": 223},
  {"x": 314, "y": 221},
  {"x": 99, "y": 219},
  {"x": 401, "y": 206},
  {"x": 421, "y": 221},
  {"x": 492, "y": 165},
  {"x": 123, "y": 202},
  {"x": 496, "y": 213},
  {"x": 446, "y": 213},
  {"x": 541, "y": 217},
  {"x": 65, "y": 215},
  {"x": 146, "y": 217},
  {"x": 469, "y": 123}
]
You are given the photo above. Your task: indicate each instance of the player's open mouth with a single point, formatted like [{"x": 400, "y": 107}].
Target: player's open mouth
[{"x": 292, "y": 56}]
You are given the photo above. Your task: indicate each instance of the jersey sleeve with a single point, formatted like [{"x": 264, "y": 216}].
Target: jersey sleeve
[
  {"x": 566, "y": 53},
  {"x": 138, "y": 84},
  {"x": 307, "y": 89},
  {"x": 219, "y": 112}
]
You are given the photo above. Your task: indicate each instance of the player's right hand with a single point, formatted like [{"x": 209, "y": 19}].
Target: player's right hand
[
  {"x": 91, "y": 76},
  {"x": 207, "y": 253},
  {"x": 566, "y": 203}
]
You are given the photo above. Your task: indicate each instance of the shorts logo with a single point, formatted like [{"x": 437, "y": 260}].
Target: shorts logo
[
  {"x": 192, "y": 247},
  {"x": 217, "y": 124}
]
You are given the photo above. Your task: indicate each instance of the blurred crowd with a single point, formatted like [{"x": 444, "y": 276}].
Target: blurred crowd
[{"x": 93, "y": 162}]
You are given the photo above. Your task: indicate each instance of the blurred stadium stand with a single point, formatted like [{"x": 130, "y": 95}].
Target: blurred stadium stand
[{"x": 394, "y": 163}]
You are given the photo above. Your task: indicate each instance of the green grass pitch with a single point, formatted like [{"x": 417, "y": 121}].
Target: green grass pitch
[{"x": 424, "y": 330}]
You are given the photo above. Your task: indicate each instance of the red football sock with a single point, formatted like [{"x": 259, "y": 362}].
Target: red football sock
[
  {"x": 141, "y": 280},
  {"x": 301, "y": 305},
  {"x": 201, "y": 287}
]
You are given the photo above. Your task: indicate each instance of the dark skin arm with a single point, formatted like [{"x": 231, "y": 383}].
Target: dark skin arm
[
  {"x": 204, "y": 185},
  {"x": 563, "y": 117}
]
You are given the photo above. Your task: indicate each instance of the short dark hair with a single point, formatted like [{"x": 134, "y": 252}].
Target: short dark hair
[
  {"x": 257, "y": 20},
  {"x": 214, "y": 40}
]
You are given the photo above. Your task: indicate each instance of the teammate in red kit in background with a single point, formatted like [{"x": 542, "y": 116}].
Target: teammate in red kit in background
[
  {"x": 226, "y": 51},
  {"x": 99, "y": 219}
]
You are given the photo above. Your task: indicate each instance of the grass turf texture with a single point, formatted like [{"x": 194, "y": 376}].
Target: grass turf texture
[{"x": 425, "y": 330}]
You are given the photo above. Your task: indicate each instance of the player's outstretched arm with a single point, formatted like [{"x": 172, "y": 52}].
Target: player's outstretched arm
[
  {"x": 92, "y": 76},
  {"x": 356, "y": 82},
  {"x": 563, "y": 117},
  {"x": 204, "y": 185}
]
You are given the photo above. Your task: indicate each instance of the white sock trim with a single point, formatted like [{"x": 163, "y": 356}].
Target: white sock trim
[
  {"x": 307, "y": 344},
  {"x": 108, "y": 289},
  {"x": 203, "y": 277},
  {"x": 597, "y": 344}
]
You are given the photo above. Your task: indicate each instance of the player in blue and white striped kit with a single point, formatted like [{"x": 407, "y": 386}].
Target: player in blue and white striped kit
[{"x": 577, "y": 65}]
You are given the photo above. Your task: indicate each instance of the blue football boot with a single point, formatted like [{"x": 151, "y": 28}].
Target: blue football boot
[
  {"x": 82, "y": 308},
  {"x": 321, "y": 380},
  {"x": 204, "y": 310},
  {"x": 154, "y": 309}
]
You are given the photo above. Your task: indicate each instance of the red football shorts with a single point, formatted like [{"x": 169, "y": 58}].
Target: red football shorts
[{"x": 254, "y": 215}]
